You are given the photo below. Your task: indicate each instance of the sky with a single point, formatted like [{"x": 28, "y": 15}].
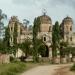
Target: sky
[{"x": 29, "y": 9}]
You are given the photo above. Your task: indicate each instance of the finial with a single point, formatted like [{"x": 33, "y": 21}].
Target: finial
[{"x": 44, "y": 11}]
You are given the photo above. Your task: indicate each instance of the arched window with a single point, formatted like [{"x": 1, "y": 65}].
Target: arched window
[
  {"x": 44, "y": 38},
  {"x": 11, "y": 28},
  {"x": 70, "y": 28},
  {"x": 71, "y": 39},
  {"x": 50, "y": 29}
]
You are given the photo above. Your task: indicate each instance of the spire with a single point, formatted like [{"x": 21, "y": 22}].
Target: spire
[{"x": 44, "y": 11}]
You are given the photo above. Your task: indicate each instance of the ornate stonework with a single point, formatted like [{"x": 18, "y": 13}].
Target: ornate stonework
[
  {"x": 11, "y": 24},
  {"x": 66, "y": 29},
  {"x": 45, "y": 33}
]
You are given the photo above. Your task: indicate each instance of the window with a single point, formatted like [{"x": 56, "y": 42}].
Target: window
[
  {"x": 44, "y": 38},
  {"x": 71, "y": 38},
  {"x": 49, "y": 29},
  {"x": 70, "y": 28},
  {"x": 11, "y": 28}
]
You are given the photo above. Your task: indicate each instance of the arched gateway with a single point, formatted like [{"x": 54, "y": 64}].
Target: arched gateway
[{"x": 44, "y": 50}]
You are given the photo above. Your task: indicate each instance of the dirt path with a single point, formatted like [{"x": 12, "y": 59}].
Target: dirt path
[
  {"x": 44, "y": 70},
  {"x": 65, "y": 70}
]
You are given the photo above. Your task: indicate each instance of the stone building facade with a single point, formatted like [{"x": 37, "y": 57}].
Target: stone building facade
[
  {"x": 66, "y": 30},
  {"x": 45, "y": 33},
  {"x": 24, "y": 32},
  {"x": 11, "y": 26}
]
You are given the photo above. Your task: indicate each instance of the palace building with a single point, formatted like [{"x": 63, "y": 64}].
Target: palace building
[{"x": 45, "y": 32}]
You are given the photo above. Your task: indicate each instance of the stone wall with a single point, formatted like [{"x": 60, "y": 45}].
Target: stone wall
[{"x": 4, "y": 58}]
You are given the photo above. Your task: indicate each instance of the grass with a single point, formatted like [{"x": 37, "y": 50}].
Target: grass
[
  {"x": 15, "y": 68},
  {"x": 73, "y": 68}
]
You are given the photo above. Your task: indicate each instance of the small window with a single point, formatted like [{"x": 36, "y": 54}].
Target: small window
[
  {"x": 49, "y": 29},
  {"x": 44, "y": 38},
  {"x": 70, "y": 28},
  {"x": 11, "y": 28},
  {"x": 71, "y": 38}
]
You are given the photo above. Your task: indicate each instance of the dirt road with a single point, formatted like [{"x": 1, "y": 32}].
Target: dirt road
[
  {"x": 44, "y": 70},
  {"x": 65, "y": 70}
]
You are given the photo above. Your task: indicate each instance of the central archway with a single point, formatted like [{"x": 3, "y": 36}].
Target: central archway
[{"x": 44, "y": 50}]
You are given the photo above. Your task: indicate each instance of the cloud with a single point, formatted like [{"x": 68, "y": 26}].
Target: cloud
[
  {"x": 56, "y": 9},
  {"x": 43, "y": 2},
  {"x": 37, "y": 3},
  {"x": 70, "y": 3}
]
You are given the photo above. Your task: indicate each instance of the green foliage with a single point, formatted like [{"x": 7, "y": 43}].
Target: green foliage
[
  {"x": 16, "y": 68},
  {"x": 5, "y": 43},
  {"x": 67, "y": 51},
  {"x": 15, "y": 46},
  {"x": 64, "y": 49},
  {"x": 25, "y": 46},
  {"x": 55, "y": 39},
  {"x": 36, "y": 29},
  {"x": 73, "y": 68},
  {"x": 12, "y": 68},
  {"x": 2, "y": 47},
  {"x": 42, "y": 50},
  {"x": 63, "y": 44},
  {"x": 6, "y": 40},
  {"x": 15, "y": 34}
]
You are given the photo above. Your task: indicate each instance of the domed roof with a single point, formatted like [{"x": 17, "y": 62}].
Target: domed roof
[
  {"x": 67, "y": 19},
  {"x": 45, "y": 19}
]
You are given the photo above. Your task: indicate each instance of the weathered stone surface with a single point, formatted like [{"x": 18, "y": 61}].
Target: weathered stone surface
[{"x": 4, "y": 58}]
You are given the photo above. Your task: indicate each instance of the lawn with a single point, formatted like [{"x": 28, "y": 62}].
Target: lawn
[{"x": 15, "y": 68}]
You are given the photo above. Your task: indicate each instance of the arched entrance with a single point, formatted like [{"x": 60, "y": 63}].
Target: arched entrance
[
  {"x": 44, "y": 50},
  {"x": 47, "y": 51}
]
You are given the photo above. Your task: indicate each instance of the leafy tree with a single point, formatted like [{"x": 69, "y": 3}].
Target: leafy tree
[
  {"x": 2, "y": 47},
  {"x": 63, "y": 46},
  {"x": 40, "y": 46},
  {"x": 25, "y": 46},
  {"x": 15, "y": 35},
  {"x": 55, "y": 39},
  {"x": 42, "y": 50},
  {"x": 36, "y": 29},
  {"x": 6, "y": 40},
  {"x": 2, "y": 17}
]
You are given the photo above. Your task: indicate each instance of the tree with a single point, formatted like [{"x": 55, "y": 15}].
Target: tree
[
  {"x": 55, "y": 39},
  {"x": 36, "y": 29},
  {"x": 2, "y": 17},
  {"x": 42, "y": 50},
  {"x": 40, "y": 46},
  {"x": 25, "y": 46},
  {"x": 7, "y": 40},
  {"x": 63, "y": 46},
  {"x": 15, "y": 35},
  {"x": 2, "y": 47}
]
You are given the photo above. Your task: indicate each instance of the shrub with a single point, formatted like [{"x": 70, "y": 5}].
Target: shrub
[
  {"x": 13, "y": 68},
  {"x": 73, "y": 68}
]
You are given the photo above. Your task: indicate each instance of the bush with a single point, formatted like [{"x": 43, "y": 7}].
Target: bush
[
  {"x": 73, "y": 68},
  {"x": 12, "y": 68}
]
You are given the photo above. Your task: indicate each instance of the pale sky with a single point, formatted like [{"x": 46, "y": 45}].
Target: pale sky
[{"x": 29, "y": 9}]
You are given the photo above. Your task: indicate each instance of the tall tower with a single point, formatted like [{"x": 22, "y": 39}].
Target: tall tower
[
  {"x": 66, "y": 29},
  {"x": 45, "y": 33},
  {"x": 11, "y": 25},
  {"x": 45, "y": 27}
]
